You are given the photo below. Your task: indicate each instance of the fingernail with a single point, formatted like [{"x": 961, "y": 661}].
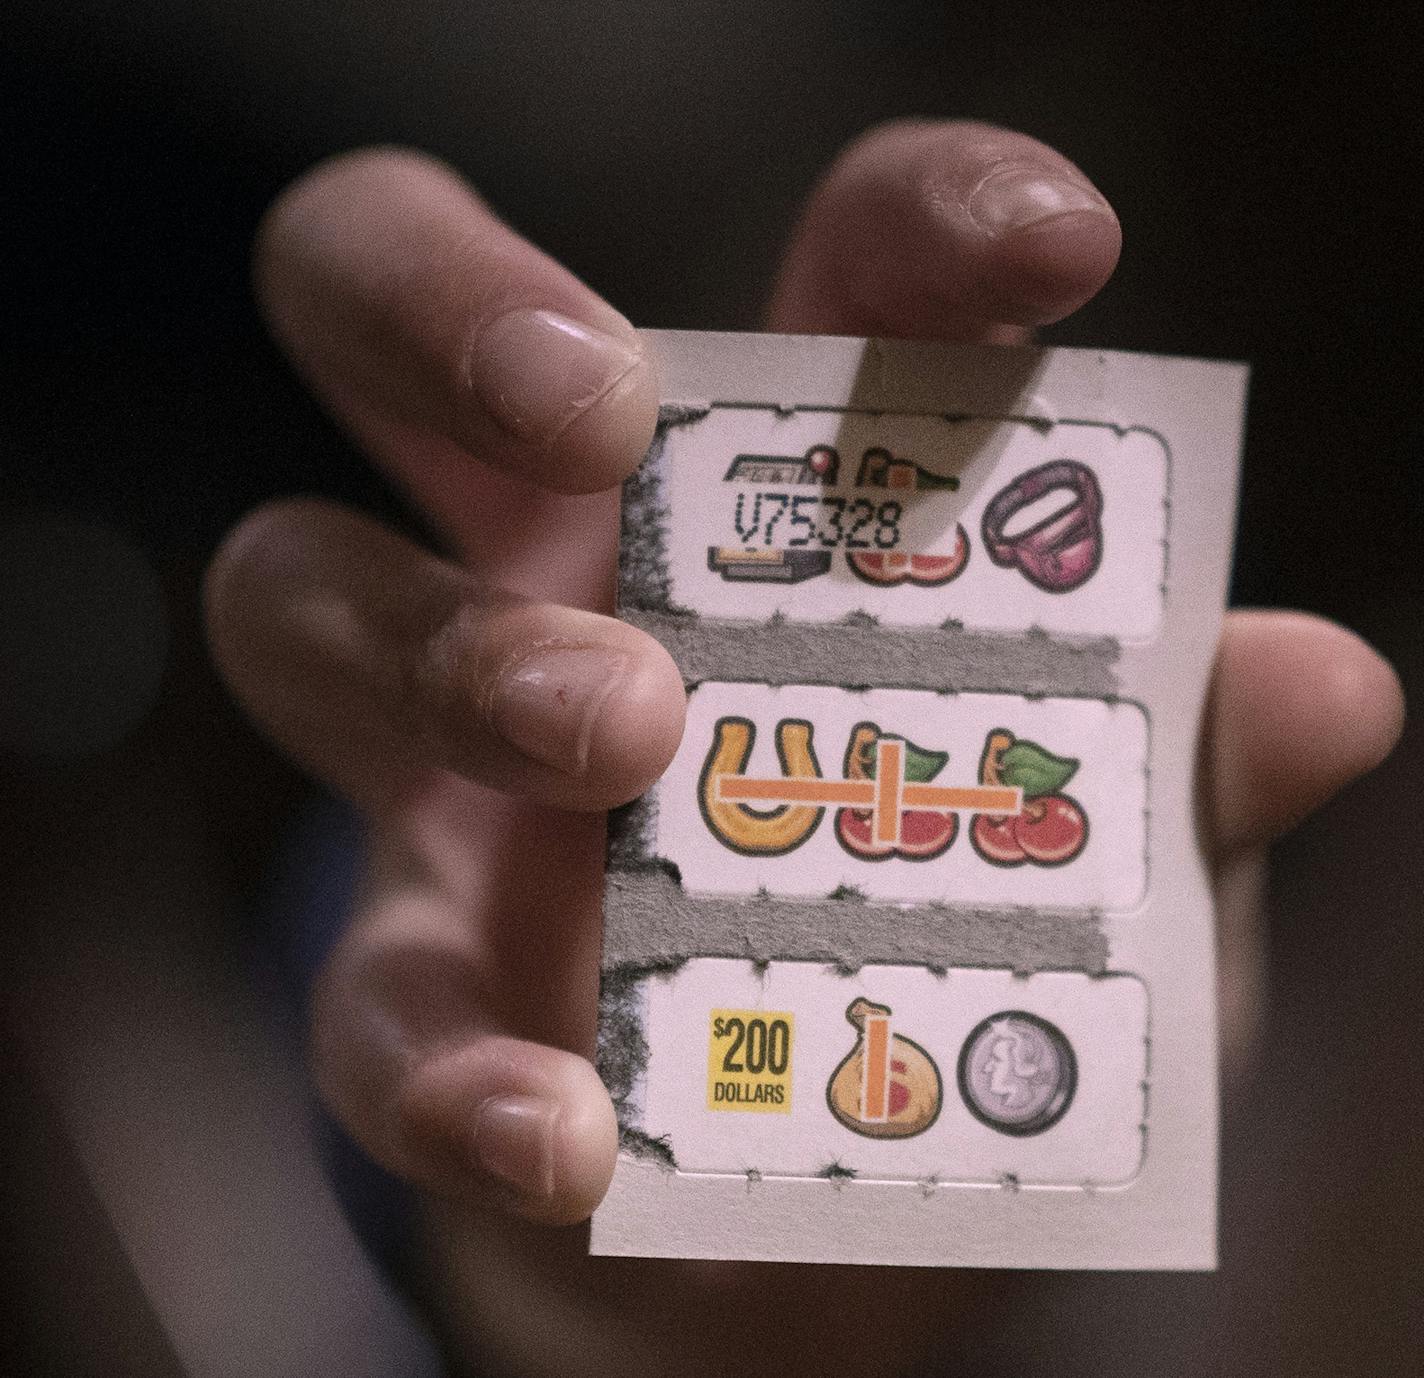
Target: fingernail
[
  {"x": 546, "y": 705},
  {"x": 535, "y": 371},
  {"x": 514, "y": 1143},
  {"x": 1016, "y": 199}
]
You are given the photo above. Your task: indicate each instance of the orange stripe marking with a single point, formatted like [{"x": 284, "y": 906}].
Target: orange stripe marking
[
  {"x": 853, "y": 794},
  {"x": 862, "y": 794},
  {"x": 889, "y": 785},
  {"x": 875, "y": 1091},
  {"x": 965, "y": 798}
]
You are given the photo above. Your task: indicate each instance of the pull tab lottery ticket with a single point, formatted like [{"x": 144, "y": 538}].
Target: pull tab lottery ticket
[{"x": 909, "y": 956}]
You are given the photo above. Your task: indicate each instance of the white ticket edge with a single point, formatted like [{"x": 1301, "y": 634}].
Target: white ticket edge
[{"x": 1166, "y": 1217}]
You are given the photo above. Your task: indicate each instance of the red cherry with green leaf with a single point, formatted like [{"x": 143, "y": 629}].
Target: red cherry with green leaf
[
  {"x": 924, "y": 833},
  {"x": 1051, "y": 828}
]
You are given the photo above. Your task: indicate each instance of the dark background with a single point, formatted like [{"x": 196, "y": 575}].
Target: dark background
[{"x": 1267, "y": 164}]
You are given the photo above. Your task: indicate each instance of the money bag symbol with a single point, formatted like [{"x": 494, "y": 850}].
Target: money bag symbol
[{"x": 887, "y": 1087}]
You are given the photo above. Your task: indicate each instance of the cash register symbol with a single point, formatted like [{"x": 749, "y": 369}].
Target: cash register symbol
[
  {"x": 774, "y": 565},
  {"x": 887, "y": 1086},
  {"x": 820, "y": 466}
]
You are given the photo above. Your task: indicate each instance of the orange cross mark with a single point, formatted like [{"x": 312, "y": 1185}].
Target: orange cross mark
[{"x": 884, "y": 797}]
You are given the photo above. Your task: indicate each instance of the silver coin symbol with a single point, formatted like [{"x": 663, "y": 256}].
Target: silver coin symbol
[{"x": 1017, "y": 1073}]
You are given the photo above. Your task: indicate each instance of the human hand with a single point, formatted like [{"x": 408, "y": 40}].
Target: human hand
[{"x": 484, "y": 711}]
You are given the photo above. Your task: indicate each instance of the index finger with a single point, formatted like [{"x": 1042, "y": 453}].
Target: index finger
[{"x": 409, "y": 305}]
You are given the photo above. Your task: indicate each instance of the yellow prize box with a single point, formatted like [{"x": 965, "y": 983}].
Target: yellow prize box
[{"x": 749, "y": 1061}]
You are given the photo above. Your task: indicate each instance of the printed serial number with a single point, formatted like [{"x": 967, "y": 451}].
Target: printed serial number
[
  {"x": 749, "y": 1061},
  {"x": 830, "y": 522}
]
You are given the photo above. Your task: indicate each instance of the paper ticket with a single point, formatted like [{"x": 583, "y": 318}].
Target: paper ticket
[{"x": 909, "y": 955}]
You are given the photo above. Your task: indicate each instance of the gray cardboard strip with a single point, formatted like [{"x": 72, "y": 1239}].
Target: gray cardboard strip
[
  {"x": 942, "y": 659},
  {"x": 642, "y": 547},
  {"x": 651, "y": 922},
  {"x": 622, "y": 1053},
  {"x": 631, "y": 831}
]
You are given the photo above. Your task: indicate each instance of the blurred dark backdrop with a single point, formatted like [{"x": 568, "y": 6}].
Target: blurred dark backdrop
[{"x": 1267, "y": 164}]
